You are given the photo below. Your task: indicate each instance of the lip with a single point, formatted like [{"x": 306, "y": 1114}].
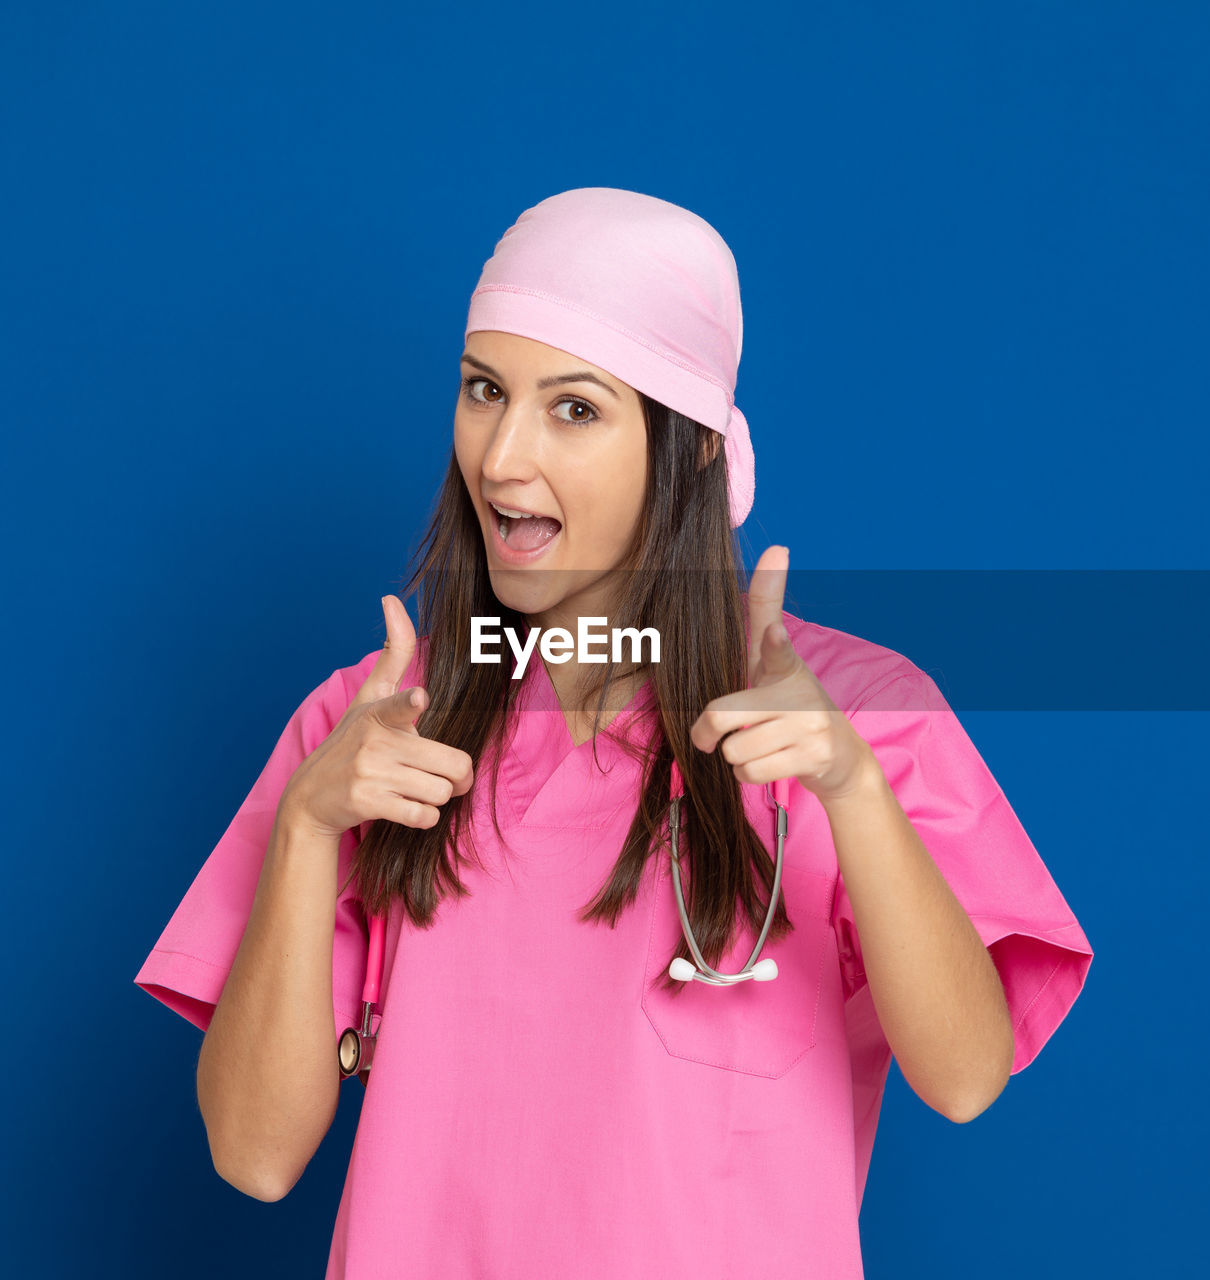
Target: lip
[
  {"x": 510, "y": 507},
  {"x": 510, "y": 555}
]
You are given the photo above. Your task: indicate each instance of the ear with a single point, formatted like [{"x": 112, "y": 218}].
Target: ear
[{"x": 709, "y": 449}]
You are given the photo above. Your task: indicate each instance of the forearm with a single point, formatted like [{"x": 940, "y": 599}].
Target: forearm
[
  {"x": 267, "y": 1077},
  {"x": 935, "y": 988}
]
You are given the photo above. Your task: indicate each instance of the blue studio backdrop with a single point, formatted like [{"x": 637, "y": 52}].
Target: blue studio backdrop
[{"x": 239, "y": 242}]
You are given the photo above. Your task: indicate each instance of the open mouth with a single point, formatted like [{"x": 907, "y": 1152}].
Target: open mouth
[{"x": 525, "y": 533}]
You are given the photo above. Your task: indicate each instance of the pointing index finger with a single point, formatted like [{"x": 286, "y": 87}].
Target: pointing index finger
[{"x": 766, "y": 597}]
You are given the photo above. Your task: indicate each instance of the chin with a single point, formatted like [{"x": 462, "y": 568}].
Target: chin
[{"x": 528, "y": 591}]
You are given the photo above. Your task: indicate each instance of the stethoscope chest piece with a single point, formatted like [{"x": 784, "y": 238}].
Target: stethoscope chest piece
[{"x": 355, "y": 1052}]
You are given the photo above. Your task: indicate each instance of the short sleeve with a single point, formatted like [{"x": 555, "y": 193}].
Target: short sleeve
[
  {"x": 972, "y": 834},
  {"x": 188, "y": 966}
]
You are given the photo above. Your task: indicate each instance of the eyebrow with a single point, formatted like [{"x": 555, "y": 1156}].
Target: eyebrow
[{"x": 581, "y": 375}]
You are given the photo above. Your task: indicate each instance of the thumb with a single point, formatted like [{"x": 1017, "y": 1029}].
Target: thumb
[
  {"x": 778, "y": 658},
  {"x": 396, "y": 655}
]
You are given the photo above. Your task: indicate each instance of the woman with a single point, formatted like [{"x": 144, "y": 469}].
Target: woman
[{"x": 544, "y": 1097}]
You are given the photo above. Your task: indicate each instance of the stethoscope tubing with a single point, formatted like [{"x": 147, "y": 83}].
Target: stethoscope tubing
[
  {"x": 357, "y": 1044},
  {"x": 754, "y": 968}
]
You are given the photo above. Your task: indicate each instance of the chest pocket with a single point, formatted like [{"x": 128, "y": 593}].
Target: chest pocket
[{"x": 757, "y": 1028}]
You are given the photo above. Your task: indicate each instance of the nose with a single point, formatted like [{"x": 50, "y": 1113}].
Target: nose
[{"x": 512, "y": 453}]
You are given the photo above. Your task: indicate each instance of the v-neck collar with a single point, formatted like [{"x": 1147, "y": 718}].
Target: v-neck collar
[{"x": 553, "y": 783}]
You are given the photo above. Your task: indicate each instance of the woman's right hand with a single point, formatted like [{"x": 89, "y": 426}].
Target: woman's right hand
[{"x": 374, "y": 764}]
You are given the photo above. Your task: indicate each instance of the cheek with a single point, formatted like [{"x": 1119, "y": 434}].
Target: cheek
[
  {"x": 626, "y": 480},
  {"x": 465, "y": 452},
  {"x": 617, "y": 493}
]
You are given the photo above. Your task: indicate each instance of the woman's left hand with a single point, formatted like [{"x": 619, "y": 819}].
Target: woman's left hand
[{"x": 783, "y": 725}]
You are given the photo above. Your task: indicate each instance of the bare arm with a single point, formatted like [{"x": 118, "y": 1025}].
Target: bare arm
[
  {"x": 267, "y": 1077},
  {"x": 934, "y": 984},
  {"x": 935, "y": 987}
]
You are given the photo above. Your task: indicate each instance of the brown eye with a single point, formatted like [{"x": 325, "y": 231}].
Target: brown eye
[
  {"x": 586, "y": 415},
  {"x": 468, "y": 385}
]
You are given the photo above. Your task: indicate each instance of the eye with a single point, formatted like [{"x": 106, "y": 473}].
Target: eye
[
  {"x": 575, "y": 403},
  {"x": 580, "y": 404},
  {"x": 468, "y": 383}
]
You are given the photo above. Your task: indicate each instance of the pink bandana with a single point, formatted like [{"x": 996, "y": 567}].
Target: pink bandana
[{"x": 639, "y": 287}]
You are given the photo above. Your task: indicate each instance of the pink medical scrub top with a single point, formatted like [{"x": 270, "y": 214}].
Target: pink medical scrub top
[{"x": 538, "y": 1106}]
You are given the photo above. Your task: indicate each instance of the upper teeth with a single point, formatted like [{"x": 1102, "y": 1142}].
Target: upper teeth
[{"x": 514, "y": 515}]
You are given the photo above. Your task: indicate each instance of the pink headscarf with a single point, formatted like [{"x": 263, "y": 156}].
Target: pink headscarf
[{"x": 639, "y": 287}]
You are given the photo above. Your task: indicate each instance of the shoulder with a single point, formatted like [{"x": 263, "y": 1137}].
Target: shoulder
[{"x": 856, "y": 673}]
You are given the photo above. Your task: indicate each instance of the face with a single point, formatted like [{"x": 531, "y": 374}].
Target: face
[{"x": 542, "y": 431}]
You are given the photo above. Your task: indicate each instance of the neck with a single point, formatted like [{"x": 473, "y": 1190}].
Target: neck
[{"x": 577, "y": 685}]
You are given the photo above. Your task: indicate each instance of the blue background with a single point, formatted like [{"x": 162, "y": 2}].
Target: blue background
[{"x": 238, "y": 244}]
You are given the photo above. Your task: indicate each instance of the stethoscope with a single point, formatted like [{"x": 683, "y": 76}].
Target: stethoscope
[
  {"x": 778, "y": 796},
  {"x": 356, "y": 1048}
]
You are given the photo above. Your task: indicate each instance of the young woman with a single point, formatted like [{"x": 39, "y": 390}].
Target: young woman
[{"x": 544, "y": 1097}]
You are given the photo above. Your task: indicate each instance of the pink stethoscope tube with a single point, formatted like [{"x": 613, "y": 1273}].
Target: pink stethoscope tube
[{"x": 378, "y": 929}]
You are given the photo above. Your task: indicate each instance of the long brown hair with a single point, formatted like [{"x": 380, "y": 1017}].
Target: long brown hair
[{"x": 687, "y": 581}]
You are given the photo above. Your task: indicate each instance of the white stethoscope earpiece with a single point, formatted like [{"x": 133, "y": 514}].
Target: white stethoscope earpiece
[
  {"x": 758, "y": 970},
  {"x": 683, "y": 971}
]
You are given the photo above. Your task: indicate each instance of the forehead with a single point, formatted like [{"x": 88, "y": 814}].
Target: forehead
[{"x": 511, "y": 354}]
